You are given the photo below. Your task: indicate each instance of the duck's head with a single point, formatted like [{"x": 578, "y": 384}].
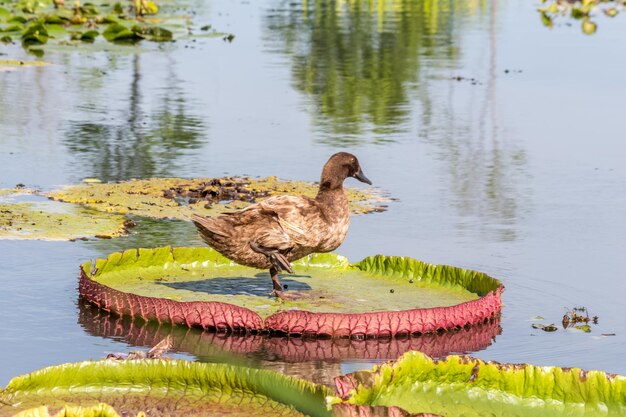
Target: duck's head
[{"x": 339, "y": 167}]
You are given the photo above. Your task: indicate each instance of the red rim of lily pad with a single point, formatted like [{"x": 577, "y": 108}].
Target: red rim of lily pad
[
  {"x": 288, "y": 349},
  {"x": 225, "y": 317}
]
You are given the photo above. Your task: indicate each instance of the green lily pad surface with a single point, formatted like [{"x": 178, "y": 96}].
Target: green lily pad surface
[
  {"x": 327, "y": 282},
  {"x": 41, "y": 219},
  {"x": 178, "y": 198},
  {"x": 464, "y": 386},
  {"x": 165, "y": 388},
  {"x": 170, "y": 284}
]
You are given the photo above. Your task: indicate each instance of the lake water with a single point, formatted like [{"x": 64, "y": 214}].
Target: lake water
[{"x": 502, "y": 141}]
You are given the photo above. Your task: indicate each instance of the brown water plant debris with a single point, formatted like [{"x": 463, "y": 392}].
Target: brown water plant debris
[
  {"x": 198, "y": 287},
  {"x": 178, "y": 198}
]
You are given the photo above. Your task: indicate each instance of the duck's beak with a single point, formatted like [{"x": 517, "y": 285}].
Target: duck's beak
[{"x": 361, "y": 177}]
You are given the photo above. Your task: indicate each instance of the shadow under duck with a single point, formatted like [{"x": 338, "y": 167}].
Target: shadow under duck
[{"x": 274, "y": 232}]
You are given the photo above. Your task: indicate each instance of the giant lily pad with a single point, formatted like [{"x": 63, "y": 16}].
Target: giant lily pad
[
  {"x": 41, "y": 219},
  {"x": 165, "y": 388},
  {"x": 379, "y": 296},
  {"x": 178, "y": 198},
  {"x": 460, "y": 385}
]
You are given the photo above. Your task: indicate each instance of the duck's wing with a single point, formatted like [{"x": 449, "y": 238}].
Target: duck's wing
[{"x": 296, "y": 217}]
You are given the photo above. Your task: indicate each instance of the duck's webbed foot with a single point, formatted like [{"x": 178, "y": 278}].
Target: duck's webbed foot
[{"x": 276, "y": 259}]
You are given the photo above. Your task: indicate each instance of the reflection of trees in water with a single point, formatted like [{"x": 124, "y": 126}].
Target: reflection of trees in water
[
  {"x": 133, "y": 142},
  {"x": 485, "y": 168},
  {"x": 359, "y": 59}
]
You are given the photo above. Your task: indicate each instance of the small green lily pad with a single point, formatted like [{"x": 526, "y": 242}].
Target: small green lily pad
[{"x": 545, "y": 328}]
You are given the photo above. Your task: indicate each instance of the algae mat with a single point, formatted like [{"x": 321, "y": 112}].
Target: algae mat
[
  {"x": 379, "y": 296},
  {"x": 469, "y": 387},
  {"x": 164, "y": 388},
  {"x": 24, "y": 216},
  {"x": 178, "y": 198}
]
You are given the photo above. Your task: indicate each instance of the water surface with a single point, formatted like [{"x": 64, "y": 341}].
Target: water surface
[{"x": 502, "y": 141}]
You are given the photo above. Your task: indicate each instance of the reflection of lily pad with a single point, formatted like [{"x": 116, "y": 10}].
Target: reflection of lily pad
[
  {"x": 54, "y": 221},
  {"x": 165, "y": 388},
  {"x": 264, "y": 349},
  {"x": 178, "y": 197},
  {"x": 379, "y": 296},
  {"x": 460, "y": 385}
]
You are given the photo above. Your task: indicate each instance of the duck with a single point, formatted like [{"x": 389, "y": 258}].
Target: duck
[{"x": 279, "y": 230}]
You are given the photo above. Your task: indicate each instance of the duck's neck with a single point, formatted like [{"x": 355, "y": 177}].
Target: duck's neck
[{"x": 331, "y": 195}]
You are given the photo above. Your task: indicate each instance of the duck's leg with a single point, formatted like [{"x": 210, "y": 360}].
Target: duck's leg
[
  {"x": 276, "y": 259},
  {"x": 275, "y": 282}
]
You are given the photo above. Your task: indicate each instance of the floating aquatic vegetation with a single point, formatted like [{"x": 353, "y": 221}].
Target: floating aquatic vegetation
[
  {"x": 583, "y": 10},
  {"x": 198, "y": 287},
  {"x": 37, "y": 23},
  {"x": 461, "y": 385},
  {"x": 178, "y": 198},
  {"x": 14, "y": 64},
  {"x": 164, "y": 388},
  {"x": 576, "y": 318},
  {"x": 41, "y": 219}
]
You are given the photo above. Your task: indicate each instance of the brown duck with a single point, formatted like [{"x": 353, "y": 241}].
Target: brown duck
[{"x": 279, "y": 230}]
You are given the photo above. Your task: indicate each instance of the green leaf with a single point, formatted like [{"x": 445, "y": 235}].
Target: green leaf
[
  {"x": 584, "y": 327},
  {"x": 38, "y": 52},
  {"x": 89, "y": 36},
  {"x": 118, "y": 32},
  {"x": 17, "y": 19},
  {"x": 469, "y": 387},
  {"x": 6, "y": 39},
  {"x": 546, "y": 20},
  {"x": 35, "y": 33},
  {"x": 4, "y": 14},
  {"x": 15, "y": 27},
  {"x": 589, "y": 27},
  {"x": 159, "y": 387},
  {"x": 118, "y": 8},
  {"x": 153, "y": 33}
]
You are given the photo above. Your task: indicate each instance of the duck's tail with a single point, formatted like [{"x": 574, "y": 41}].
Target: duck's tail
[{"x": 209, "y": 227}]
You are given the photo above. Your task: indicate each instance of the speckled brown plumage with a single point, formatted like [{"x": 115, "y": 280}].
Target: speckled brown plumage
[{"x": 282, "y": 229}]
